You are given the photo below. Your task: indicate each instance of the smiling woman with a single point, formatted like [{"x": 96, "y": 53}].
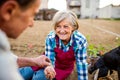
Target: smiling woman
[{"x": 57, "y": 4}]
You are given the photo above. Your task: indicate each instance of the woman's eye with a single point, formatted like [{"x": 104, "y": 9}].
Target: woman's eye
[
  {"x": 58, "y": 26},
  {"x": 65, "y": 26}
]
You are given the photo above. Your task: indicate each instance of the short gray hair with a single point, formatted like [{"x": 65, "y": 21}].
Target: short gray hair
[{"x": 61, "y": 15}]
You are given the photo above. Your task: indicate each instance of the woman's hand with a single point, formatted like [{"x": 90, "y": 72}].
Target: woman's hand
[{"x": 50, "y": 72}]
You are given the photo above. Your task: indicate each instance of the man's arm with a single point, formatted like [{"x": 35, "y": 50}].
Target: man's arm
[{"x": 40, "y": 61}]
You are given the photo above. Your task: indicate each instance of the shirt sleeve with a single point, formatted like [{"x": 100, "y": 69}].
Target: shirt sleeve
[
  {"x": 14, "y": 56},
  {"x": 81, "y": 62},
  {"x": 49, "y": 50}
]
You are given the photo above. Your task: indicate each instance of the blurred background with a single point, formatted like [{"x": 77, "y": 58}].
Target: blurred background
[{"x": 83, "y": 8}]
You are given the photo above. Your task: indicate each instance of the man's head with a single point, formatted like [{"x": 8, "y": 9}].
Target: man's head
[{"x": 17, "y": 15}]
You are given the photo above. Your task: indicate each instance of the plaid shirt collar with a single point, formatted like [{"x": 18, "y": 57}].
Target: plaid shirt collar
[{"x": 68, "y": 45}]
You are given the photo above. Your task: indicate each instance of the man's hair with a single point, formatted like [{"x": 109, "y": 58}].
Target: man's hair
[
  {"x": 23, "y": 3},
  {"x": 2, "y": 2}
]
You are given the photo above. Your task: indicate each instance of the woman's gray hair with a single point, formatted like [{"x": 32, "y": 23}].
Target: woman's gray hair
[{"x": 61, "y": 15}]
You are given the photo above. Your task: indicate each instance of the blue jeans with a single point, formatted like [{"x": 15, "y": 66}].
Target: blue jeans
[{"x": 28, "y": 74}]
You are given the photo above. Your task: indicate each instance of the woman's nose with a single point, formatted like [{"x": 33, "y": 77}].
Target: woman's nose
[{"x": 62, "y": 30}]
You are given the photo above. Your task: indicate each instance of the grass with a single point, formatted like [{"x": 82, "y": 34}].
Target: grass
[{"x": 113, "y": 19}]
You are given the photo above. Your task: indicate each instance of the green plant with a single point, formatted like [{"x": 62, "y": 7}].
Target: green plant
[{"x": 92, "y": 51}]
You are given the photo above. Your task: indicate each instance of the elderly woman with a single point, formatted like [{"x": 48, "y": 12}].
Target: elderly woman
[{"x": 65, "y": 46}]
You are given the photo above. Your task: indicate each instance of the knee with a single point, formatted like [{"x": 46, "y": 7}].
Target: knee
[{"x": 26, "y": 72}]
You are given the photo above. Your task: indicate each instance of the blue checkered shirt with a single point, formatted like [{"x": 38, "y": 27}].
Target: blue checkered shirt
[{"x": 80, "y": 46}]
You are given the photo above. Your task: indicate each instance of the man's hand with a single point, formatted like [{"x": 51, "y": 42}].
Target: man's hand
[{"x": 42, "y": 61}]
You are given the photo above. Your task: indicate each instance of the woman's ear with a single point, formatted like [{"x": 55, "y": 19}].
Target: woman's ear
[{"x": 7, "y": 9}]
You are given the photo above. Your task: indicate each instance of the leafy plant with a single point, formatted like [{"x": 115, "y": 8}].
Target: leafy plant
[{"x": 94, "y": 51}]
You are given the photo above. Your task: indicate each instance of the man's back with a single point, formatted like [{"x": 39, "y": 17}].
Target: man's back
[{"x": 8, "y": 65}]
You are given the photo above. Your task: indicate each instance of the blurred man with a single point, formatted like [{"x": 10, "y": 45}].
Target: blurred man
[{"x": 16, "y": 16}]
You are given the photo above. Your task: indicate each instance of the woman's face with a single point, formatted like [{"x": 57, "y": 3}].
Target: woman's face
[{"x": 64, "y": 30}]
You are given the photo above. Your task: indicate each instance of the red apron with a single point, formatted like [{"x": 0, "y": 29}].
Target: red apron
[{"x": 64, "y": 63}]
